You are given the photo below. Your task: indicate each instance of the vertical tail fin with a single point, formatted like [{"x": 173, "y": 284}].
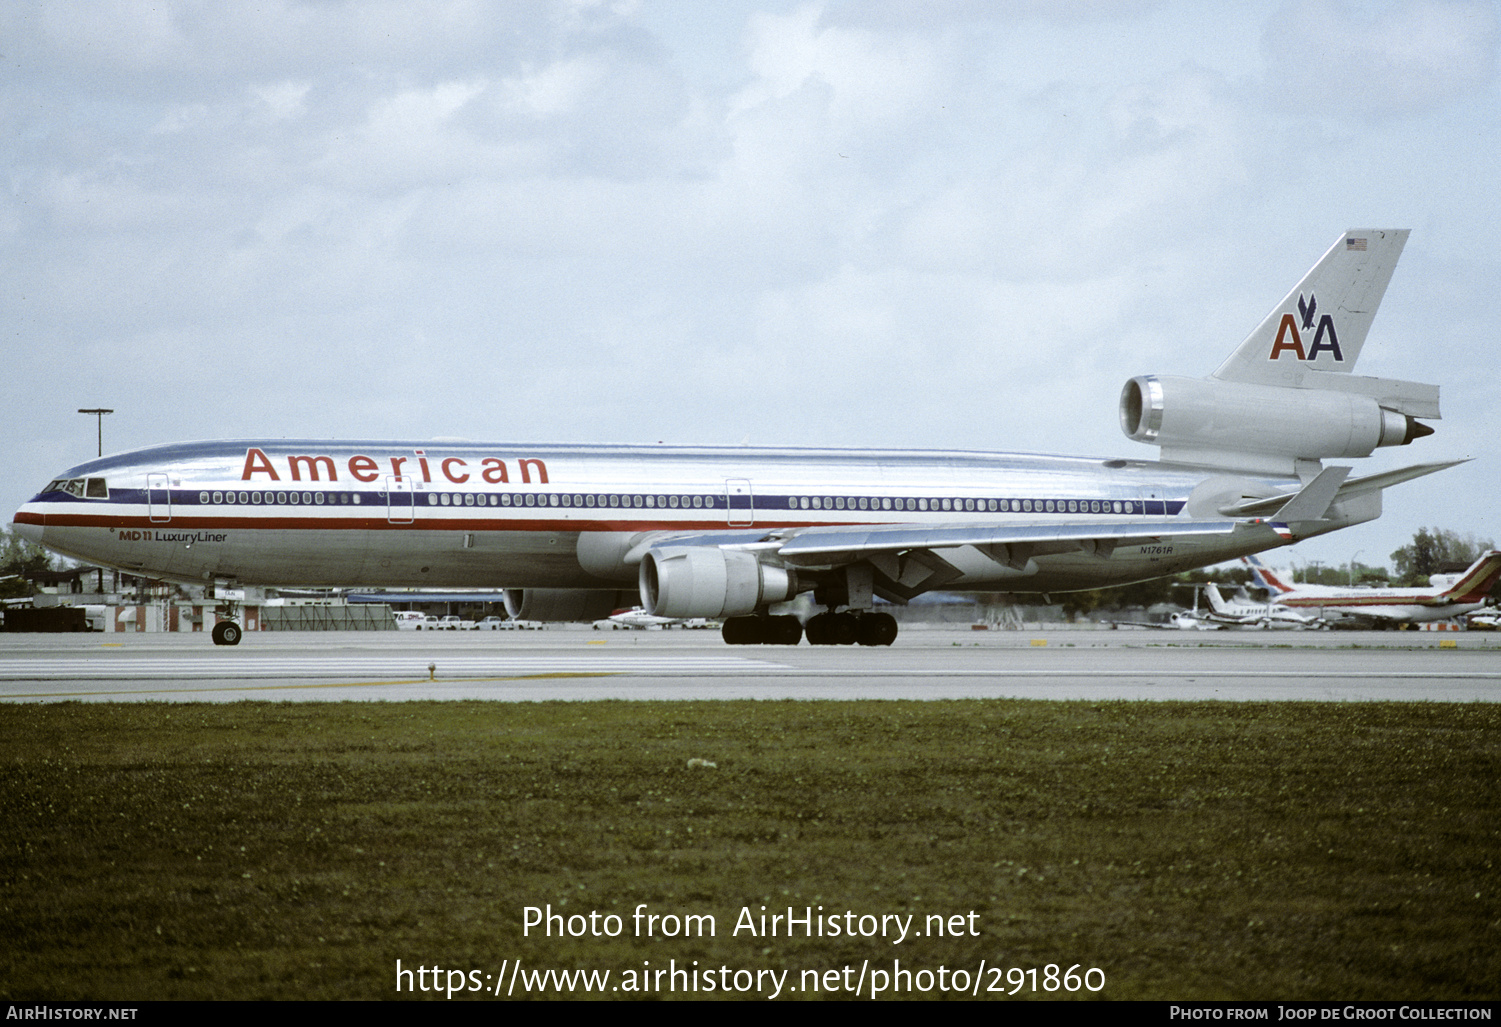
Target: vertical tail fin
[
  {"x": 1477, "y": 582},
  {"x": 1322, "y": 324},
  {"x": 1273, "y": 581}
]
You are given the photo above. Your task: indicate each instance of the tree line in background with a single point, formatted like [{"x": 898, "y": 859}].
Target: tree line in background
[
  {"x": 1437, "y": 551},
  {"x": 18, "y": 560}
]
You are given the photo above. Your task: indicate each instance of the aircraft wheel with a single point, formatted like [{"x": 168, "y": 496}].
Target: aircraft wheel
[
  {"x": 753, "y": 630},
  {"x": 817, "y": 629},
  {"x": 877, "y": 629},
  {"x": 786, "y": 630},
  {"x": 226, "y": 632},
  {"x": 741, "y": 630},
  {"x": 844, "y": 629}
]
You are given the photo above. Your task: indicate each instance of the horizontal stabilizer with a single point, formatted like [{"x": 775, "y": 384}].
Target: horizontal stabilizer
[{"x": 1348, "y": 489}]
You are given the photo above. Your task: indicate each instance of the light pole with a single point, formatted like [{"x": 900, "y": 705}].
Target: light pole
[
  {"x": 98, "y": 413},
  {"x": 1352, "y": 565}
]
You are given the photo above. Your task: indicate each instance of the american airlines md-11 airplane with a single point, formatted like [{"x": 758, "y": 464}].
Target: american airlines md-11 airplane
[{"x": 578, "y": 531}]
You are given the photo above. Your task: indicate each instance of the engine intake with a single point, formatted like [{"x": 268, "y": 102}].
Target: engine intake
[{"x": 703, "y": 581}]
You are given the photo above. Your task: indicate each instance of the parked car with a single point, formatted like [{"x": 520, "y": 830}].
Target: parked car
[{"x": 453, "y": 622}]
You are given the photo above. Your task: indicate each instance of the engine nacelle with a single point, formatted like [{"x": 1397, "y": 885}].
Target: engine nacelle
[
  {"x": 565, "y": 604},
  {"x": 1257, "y": 427},
  {"x": 703, "y": 581}
]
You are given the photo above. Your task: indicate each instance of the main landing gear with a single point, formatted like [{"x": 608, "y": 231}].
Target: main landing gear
[
  {"x": 762, "y": 630},
  {"x": 850, "y": 627},
  {"x": 827, "y": 628}
]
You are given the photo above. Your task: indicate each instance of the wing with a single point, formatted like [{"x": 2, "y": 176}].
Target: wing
[
  {"x": 908, "y": 559},
  {"x": 1010, "y": 544}
]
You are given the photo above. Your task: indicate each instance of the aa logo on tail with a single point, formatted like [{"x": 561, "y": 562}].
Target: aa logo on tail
[{"x": 1289, "y": 340}]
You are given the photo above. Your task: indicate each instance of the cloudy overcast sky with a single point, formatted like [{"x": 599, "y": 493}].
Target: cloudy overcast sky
[{"x": 951, "y": 224}]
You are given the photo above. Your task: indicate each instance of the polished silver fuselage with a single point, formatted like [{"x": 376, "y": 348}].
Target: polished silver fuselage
[{"x": 453, "y": 514}]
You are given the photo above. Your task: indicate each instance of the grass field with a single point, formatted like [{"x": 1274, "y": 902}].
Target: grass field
[{"x": 1191, "y": 850}]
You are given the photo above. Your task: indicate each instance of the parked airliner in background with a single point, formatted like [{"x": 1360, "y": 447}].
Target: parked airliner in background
[
  {"x": 732, "y": 532},
  {"x": 1447, "y": 595}
]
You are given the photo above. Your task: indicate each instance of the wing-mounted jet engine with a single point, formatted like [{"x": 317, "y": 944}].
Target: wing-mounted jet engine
[{"x": 701, "y": 581}]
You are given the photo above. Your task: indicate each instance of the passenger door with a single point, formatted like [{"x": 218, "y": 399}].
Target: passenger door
[
  {"x": 740, "y": 509},
  {"x": 158, "y": 499},
  {"x": 399, "y": 500}
]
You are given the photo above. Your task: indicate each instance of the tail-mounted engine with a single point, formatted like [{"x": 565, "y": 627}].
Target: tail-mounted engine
[{"x": 1268, "y": 428}]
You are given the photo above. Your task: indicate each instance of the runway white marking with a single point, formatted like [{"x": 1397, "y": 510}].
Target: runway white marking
[
  {"x": 105, "y": 668},
  {"x": 929, "y": 665},
  {"x": 125, "y": 667}
]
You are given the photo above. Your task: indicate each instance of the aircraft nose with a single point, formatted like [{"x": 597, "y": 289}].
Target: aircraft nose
[{"x": 30, "y": 532}]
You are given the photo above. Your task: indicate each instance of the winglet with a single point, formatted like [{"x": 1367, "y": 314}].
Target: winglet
[{"x": 1313, "y": 500}]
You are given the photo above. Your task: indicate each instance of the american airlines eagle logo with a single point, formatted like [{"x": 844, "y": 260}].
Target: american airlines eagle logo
[
  {"x": 1290, "y": 338},
  {"x": 1307, "y": 310}
]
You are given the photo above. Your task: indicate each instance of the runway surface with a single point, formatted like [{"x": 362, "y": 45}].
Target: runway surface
[{"x": 926, "y": 663}]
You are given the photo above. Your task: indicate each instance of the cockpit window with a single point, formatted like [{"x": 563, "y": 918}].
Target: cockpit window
[{"x": 90, "y": 488}]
